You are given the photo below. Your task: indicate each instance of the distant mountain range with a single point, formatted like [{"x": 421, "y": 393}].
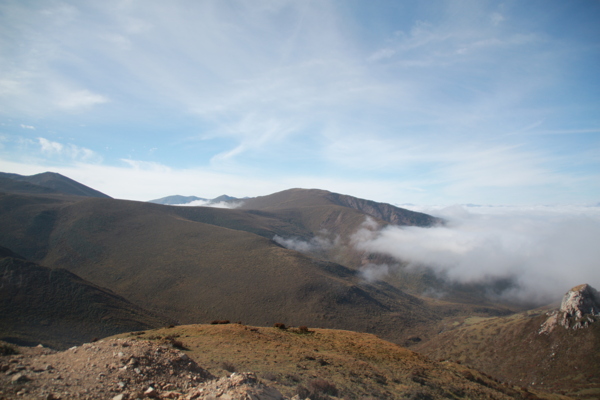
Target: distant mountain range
[
  {"x": 178, "y": 200},
  {"x": 98, "y": 266}
]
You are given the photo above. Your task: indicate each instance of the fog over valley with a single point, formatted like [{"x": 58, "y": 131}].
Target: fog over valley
[{"x": 543, "y": 250}]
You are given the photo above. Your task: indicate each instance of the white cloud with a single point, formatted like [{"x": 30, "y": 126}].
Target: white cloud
[
  {"x": 209, "y": 203},
  {"x": 50, "y": 147},
  {"x": 81, "y": 99},
  {"x": 315, "y": 244},
  {"x": 545, "y": 250},
  {"x": 68, "y": 151},
  {"x": 27, "y": 126}
]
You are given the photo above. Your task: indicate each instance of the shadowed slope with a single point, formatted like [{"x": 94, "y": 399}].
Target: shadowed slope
[{"x": 58, "y": 309}]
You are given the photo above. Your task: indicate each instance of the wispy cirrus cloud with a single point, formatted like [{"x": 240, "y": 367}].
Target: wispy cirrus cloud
[
  {"x": 69, "y": 151},
  {"x": 433, "y": 96}
]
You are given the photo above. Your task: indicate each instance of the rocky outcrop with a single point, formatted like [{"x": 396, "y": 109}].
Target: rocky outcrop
[
  {"x": 121, "y": 369},
  {"x": 237, "y": 386},
  {"x": 579, "y": 307},
  {"x": 386, "y": 212}
]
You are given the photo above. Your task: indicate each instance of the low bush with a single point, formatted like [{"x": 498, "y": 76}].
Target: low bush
[
  {"x": 7, "y": 350},
  {"x": 227, "y": 366},
  {"x": 322, "y": 386},
  {"x": 279, "y": 325},
  {"x": 220, "y": 322}
]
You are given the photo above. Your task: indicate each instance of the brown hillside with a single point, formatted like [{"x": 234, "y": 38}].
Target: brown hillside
[{"x": 204, "y": 272}]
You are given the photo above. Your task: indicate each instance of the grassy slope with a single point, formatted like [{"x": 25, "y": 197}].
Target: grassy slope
[
  {"x": 59, "y": 309},
  {"x": 511, "y": 349},
  {"x": 361, "y": 366}
]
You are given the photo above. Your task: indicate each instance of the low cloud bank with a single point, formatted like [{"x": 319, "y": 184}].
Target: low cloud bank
[
  {"x": 314, "y": 245},
  {"x": 209, "y": 203},
  {"x": 544, "y": 250}
]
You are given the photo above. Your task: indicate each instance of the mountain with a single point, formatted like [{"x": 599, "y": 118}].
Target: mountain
[
  {"x": 177, "y": 199},
  {"x": 553, "y": 349},
  {"x": 316, "y": 198},
  {"x": 47, "y": 182},
  {"x": 58, "y": 309},
  {"x": 208, "y": 263}
]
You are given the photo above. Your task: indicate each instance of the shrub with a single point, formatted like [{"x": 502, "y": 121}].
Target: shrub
[
  {"x": 321, "y": 386},
  {"x": 220, "y": 322},
  {"x": 302, "y": 392},
  {"x": 279, "y": 325},
  {"x": 7, "y": 350},
  {"x": 227, "y": 366},
  {"x": 303, "y": 329},
  {"x": 269, "y": 376},
  {"x": 178, "y": 344}
]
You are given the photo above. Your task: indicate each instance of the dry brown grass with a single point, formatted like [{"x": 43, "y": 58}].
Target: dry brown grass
[{"x": 353, "y": 365}]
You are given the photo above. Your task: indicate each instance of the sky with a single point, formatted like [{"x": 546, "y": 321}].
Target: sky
[{"x": 424, "y": 102}]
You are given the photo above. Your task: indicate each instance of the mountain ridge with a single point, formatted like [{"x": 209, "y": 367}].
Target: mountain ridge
[{"x": 51, "y": 182}]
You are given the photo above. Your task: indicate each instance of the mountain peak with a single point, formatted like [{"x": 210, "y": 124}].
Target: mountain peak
[{"x": 580, "y": 307}]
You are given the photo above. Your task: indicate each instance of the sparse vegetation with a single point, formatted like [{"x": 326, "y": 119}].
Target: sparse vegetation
[
  {"x": 228, "y": 366},
  {"x": 327, "y": 363},
  {"x": 279, "y": 325},
  {"x": 7, "y": 349}
]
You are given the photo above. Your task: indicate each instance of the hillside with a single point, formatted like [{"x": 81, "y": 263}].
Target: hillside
[
  {"x": 213, "y": 264},
  {"x": 530, "y": 349},
  {"x": 47, "y": 182},
  {"x": 58, "y": 309}
]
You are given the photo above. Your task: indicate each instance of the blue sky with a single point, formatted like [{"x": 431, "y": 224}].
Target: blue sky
[{"x": 427, "y": 102}]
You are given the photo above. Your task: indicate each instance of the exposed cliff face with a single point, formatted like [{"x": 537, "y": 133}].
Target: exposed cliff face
[
  {"x": 385, "y": 212},
  {"x": 579, "y": 308}
]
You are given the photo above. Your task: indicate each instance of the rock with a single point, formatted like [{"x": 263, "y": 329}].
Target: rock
[
  {"x": 151, "y": 393},
  {"x": 19, "y": 378},
  {"x": 579, "y": 307},
  {"x": 581, "y": 300},
  {"x": 119, "y": 397}
]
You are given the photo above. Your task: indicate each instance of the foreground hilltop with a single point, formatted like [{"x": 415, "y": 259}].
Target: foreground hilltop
[{"x": 186, "y": 362}]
